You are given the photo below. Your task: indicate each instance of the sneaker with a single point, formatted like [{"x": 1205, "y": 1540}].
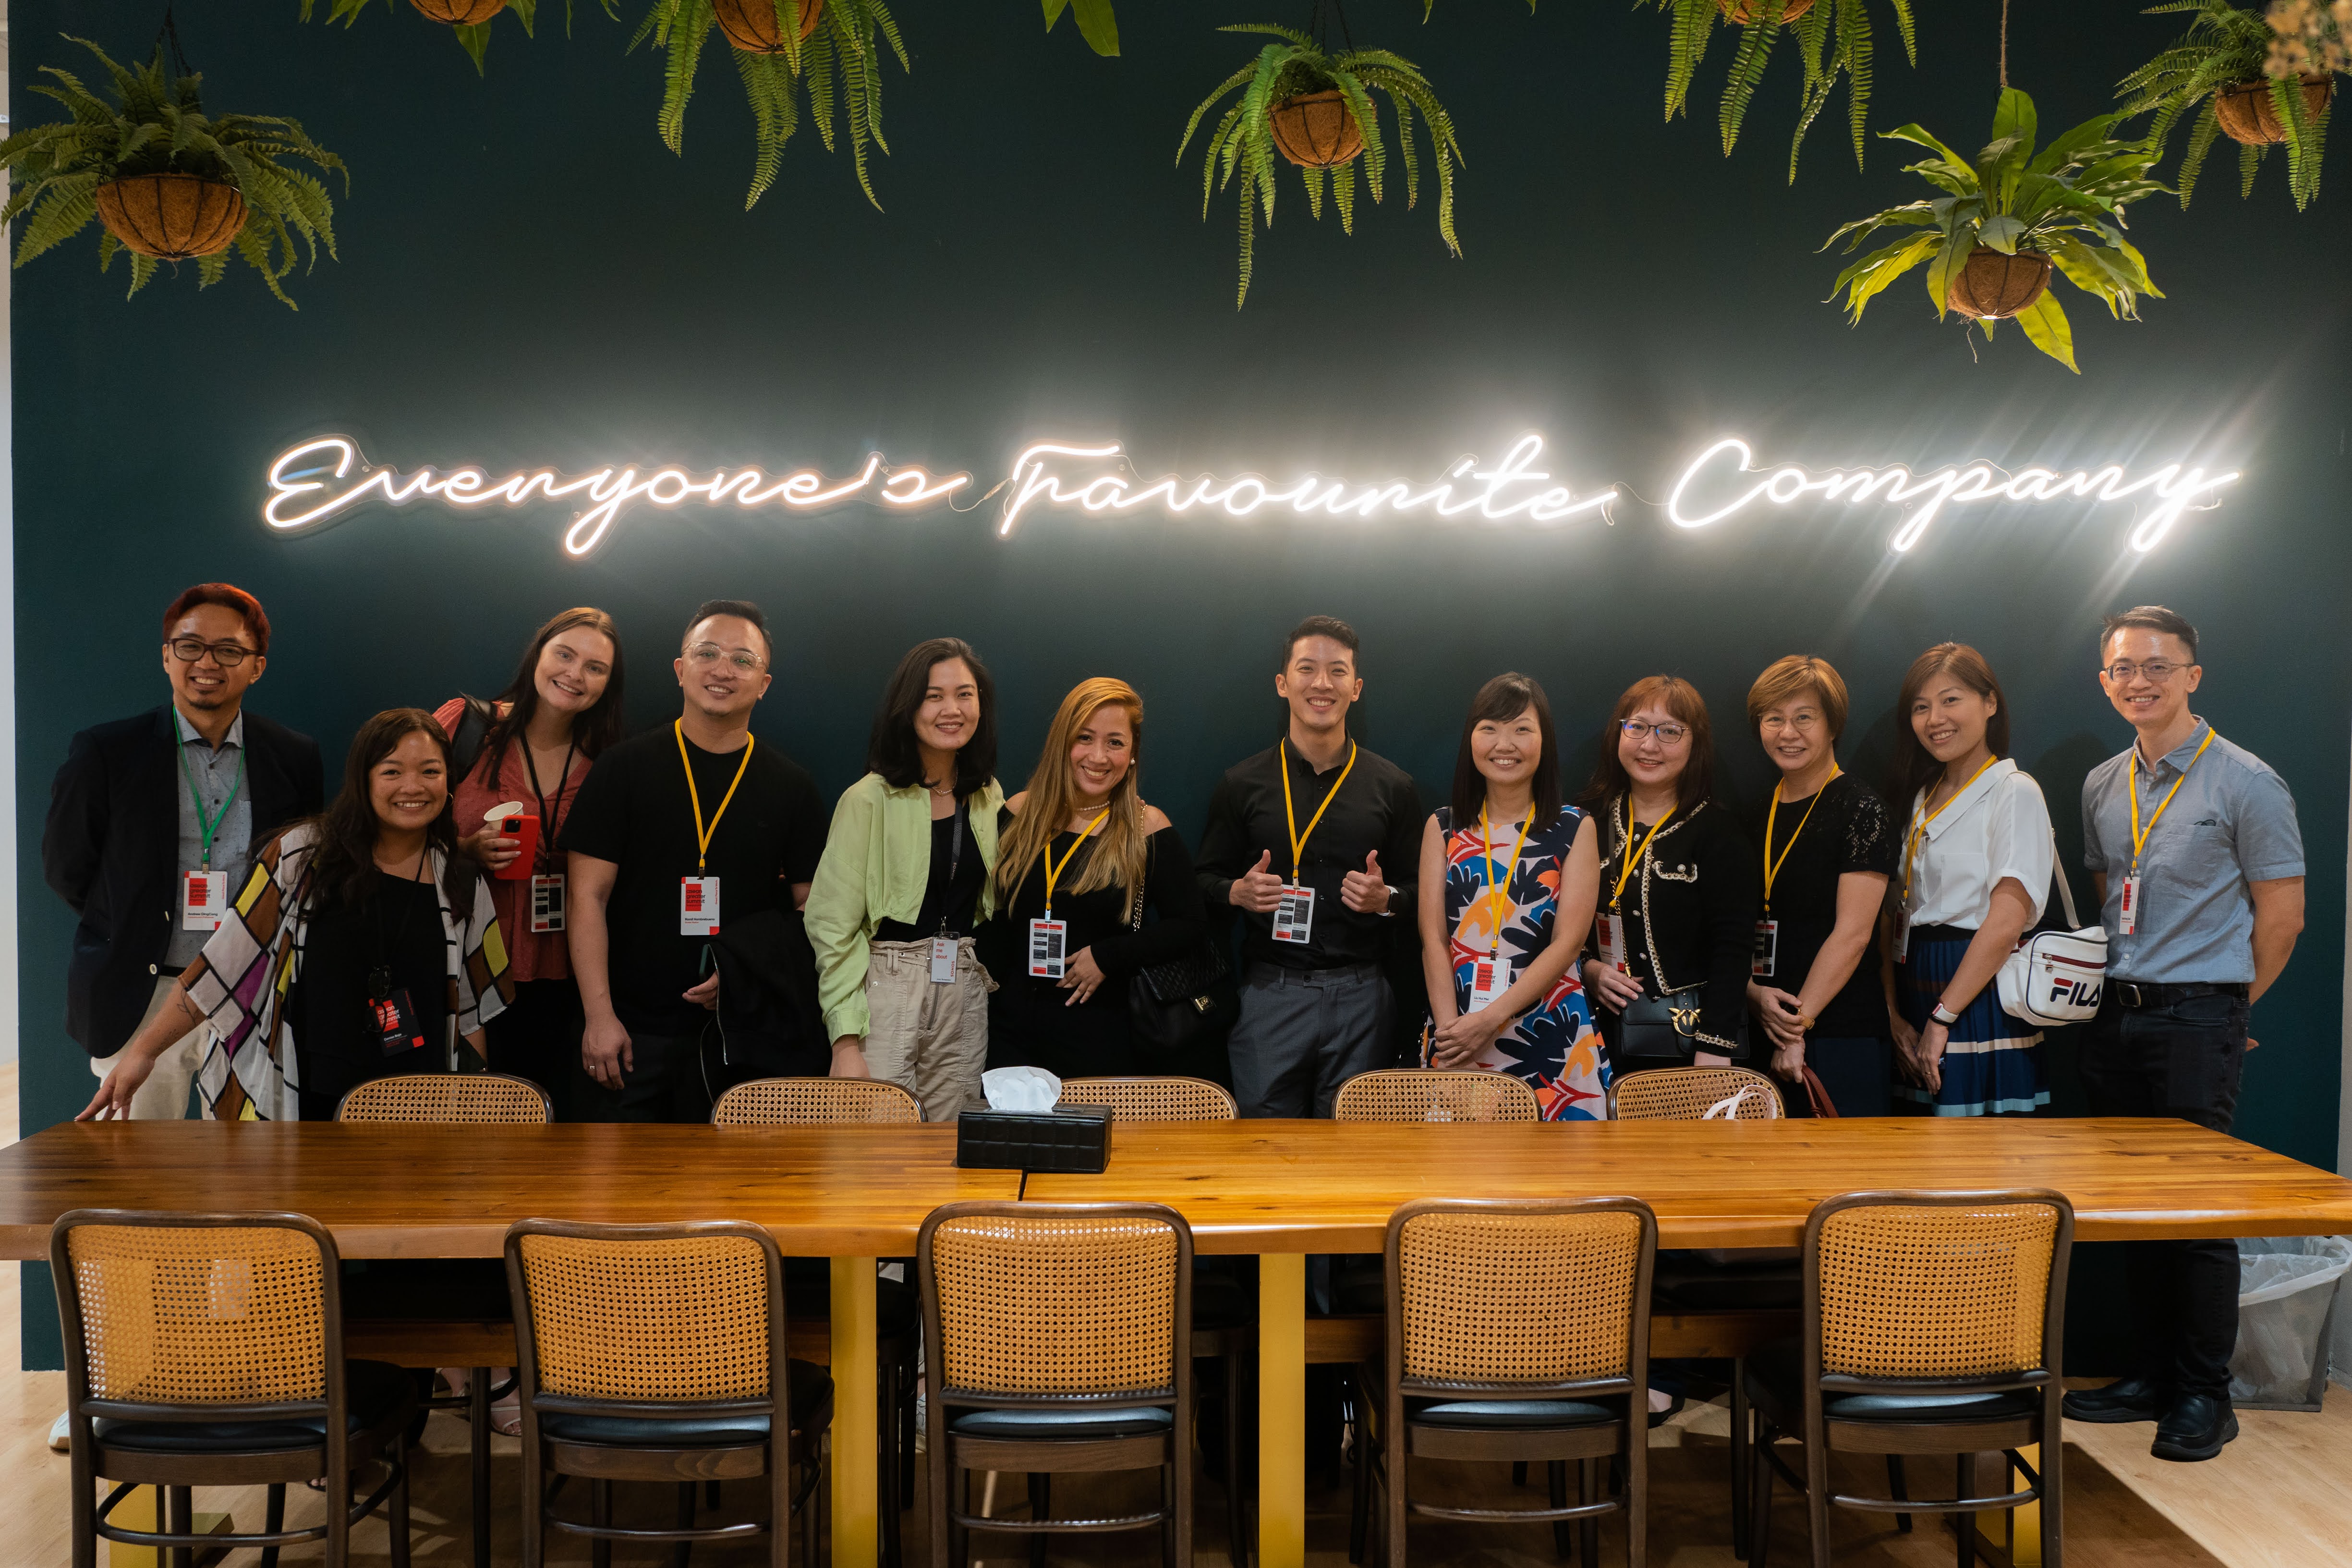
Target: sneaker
[
  {"x": 2133, "y": 1399},
  {"x": 2198, "y": 1426},
  {"x": 61, "y": 1435}
]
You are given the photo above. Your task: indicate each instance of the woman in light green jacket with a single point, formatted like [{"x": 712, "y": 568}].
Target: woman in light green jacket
[{"x": 906, "y": 876}]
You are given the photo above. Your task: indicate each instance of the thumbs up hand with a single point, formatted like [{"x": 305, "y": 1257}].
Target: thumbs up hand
[
  {"x": 1366, "y": 891},
  {"x": 1257, "y": 890}
]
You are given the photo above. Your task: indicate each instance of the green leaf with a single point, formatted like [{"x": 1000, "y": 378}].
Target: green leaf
[
  {"x": 1098, "y": 25},
  {"x": 2002, "y": 233},
  {"x": 1946, "y": 266},
  {"x": 1913, "y": 133},
  {"x": 2013, "y": 120},
  {"x": 1054, "y": 12},
  {"x": 475, "y": 39},
  {"x": 2045, "y": 326}
]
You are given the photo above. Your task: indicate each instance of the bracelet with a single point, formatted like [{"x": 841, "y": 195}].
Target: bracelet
[
  {"x": 1805, "y": 1022},
  {"x": 1943, "y": 1014}
]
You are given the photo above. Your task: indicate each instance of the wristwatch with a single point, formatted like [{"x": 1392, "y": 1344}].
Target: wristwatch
[
  {"x": 1805, "y": 1022},
  {"x": 1943, "y": 1014},
  {"x": 1392, "y": 906}
]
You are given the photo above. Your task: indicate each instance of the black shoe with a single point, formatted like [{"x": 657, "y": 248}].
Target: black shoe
[
  {"x": 1673, "y": 1409},
  {"x": 2196, "y": 1427},
  {"x": 2133, "y": 1399}
]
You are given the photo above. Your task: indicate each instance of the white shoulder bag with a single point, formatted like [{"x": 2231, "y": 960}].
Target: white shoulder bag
[{"x": 2056, "y": 976}]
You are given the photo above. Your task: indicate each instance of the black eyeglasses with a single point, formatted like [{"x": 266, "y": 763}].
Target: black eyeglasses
[{"x": 228, "y": 655}]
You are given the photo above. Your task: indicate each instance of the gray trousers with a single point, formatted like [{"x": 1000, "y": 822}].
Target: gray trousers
[{"x": 1303, "y": 1033}]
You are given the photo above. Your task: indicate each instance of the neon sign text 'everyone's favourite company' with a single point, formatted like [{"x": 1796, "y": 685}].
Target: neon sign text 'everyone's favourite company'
[{"x": 315, "y": 482}]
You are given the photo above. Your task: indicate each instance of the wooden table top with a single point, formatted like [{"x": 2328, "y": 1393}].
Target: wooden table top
[
  {"x": 416, "y": 1191},
  {"x": 409, "y": 1190},
  {"x": 1323, "y": 1186}
]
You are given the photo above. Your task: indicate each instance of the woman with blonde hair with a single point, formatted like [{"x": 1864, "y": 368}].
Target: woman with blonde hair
[{"x": 1081, "y": 861}]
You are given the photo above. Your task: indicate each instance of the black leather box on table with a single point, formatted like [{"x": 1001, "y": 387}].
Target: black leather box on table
[{"x": 1073, "y": 1141}]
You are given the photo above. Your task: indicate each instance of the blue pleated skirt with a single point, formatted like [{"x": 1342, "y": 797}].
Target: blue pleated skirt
[{"x": 1992, "y": 1065}]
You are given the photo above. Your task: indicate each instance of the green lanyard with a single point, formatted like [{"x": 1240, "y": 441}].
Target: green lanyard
[{"x": 208, "y": 826}]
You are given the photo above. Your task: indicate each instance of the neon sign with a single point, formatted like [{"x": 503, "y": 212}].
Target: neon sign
[{"x": 319, "y": 481}]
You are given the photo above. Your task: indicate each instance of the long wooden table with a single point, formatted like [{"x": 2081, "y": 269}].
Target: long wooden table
[{"x": 1279, "y": 1189}]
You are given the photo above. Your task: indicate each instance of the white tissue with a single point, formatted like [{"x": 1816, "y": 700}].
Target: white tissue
[{"x": 1020, "y": 1088}]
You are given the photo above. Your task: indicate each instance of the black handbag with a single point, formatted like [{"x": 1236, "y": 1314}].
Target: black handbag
[
  {"x": 1665, "y": 1027},
  {"x": 1176, "y": 1008}
]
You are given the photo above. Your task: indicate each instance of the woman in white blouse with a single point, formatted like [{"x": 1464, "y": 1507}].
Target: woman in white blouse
[{"x": 1976, "y": 863}]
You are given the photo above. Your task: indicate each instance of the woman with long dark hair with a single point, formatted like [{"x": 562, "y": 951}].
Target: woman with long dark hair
[
  {"x": 1508, "y": 875},
  {"x": 1975, "y": 866},
  {"x": 531, "y": 749},
  {"x": 363, "y": 945},
  {"x": 1678, "y": 885},
  {"x": 905, "y": 880}
]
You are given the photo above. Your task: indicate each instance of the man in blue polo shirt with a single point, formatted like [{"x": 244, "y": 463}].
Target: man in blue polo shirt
[{"x": 2193, "y": 845}]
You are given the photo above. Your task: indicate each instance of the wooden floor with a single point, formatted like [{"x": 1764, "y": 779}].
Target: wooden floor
[{"x": 2277, "y": 1498}]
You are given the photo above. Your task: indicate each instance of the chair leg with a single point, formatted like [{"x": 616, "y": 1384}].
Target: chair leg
[
  {"x": 273, "y": 1519},
  {"x": 888, "y": 1459},
  {"x": 1964, "y": 1525},
  {"x": 1588, "y": 1489},
  {"x": 1897, "y": 1489},
  {"x": 682, "y": 1551},
  {"x": 1041, "y": 1507},
  {"x": 599, "y": 1512},
  {"x": 1518, "y": 1472},
  {"x": 396, "y": 1505},
  {"x": 477, "y": 1416},
  {"x": 710, "y": 1494},
  {"x": 1359, "y": 1502},
  {"x": 1760, "y": 1496},
  {"x": 1236, "y": 1517},
  {"x": 1741, "y": 1435},
  {"x": 179, "y": 1514},
  {"x": 1556, "y": 1477}
]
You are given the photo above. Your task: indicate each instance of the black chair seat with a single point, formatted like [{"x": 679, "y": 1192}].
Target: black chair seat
[
  {"x": 1776, "y": 1382},
  {"x": 808, "y": 1296},
  {"x": 809, "y": 1392},
  {"x": 374, "y": 1389},
  {"x": 1515, "y": 1413},
  {"x": 1064, "y": 1425}
]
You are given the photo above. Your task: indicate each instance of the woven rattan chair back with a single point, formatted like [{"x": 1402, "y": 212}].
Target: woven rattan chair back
[
  {"x": 484, "y": 1097},
  {"x": 1935, "y": 1284},
  {"x": 1054, "y": 1299},
  {"x": 1510, "y": 1293},
  {"x": 1688, "y": 1094},
  {"x": 199, "y": 1310},
  {"x": 666, "y": 1314},
  {"x": 805, "y": 1102},
  {"x": 1152, "y": 1099},
  {"x": 1431, "y": 1094}
]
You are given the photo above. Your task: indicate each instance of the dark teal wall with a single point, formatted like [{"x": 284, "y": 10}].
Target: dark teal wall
[{"x": 530, "y": 276}]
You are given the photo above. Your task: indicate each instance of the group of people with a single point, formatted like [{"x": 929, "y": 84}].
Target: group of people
[{"x": 635, "y": 922}]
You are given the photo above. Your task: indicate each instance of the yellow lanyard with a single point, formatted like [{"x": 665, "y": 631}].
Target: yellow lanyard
[
  {"x": 1498, "y": 891},
  {"x": 1290, "y": 816},
  {"x": 1919, "y": 826},
  {"x": 1632, "y": 854},
  {"x": 1772, "y": 866},
  {"x": 702, "y": 835},
  {"x": 2139, "y": 834},
  {"x": 1054, "y": 872}
]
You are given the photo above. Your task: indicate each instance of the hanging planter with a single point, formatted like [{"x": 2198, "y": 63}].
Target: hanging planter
[
  {"x": 1314, "y": 109},
  {"x": 467, "y": 20},
  {"x": 1832, "y": 41},
  {"x": 459, "y": 13},
  {"x": 2233, "y": 74},
  {"x": 167, "y": 182},
  {"x": 1740, "y": 12},
  {"x": 2248, "y": 112},
  {"x": 2000, "y": 220},
  {"x": 754, "y": 26}
]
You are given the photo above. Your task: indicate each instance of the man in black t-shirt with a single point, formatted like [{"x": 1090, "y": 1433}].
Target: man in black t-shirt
[{"x": 672, "y": 829}]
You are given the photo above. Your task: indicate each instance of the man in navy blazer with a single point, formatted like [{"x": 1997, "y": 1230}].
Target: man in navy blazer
[{"x": 153, "y": 820}]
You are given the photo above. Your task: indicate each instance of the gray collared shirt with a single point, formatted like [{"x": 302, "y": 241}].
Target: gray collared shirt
[
  {"x": 2231, "y": 824},
  {"x": 215, "y": 772}
]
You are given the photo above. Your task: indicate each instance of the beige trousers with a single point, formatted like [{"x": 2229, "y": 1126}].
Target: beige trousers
[
  {"x": 164, "y": 1096},
  {"x": 930, "y": 1039}
]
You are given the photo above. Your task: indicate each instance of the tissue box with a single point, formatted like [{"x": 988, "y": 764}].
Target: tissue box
[{"x": 1075, "y": 1141}]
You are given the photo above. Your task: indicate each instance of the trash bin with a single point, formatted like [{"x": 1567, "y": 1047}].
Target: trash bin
[{"x": 2286, "y": 1297}]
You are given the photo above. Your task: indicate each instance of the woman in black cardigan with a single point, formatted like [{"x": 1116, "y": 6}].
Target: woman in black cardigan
[
  {"x": 1679, "y": 881},
  {"x": 1073, "y": 850}
]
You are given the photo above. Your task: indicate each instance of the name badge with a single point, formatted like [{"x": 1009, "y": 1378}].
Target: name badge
[
  {"x": 2128, "y": 923},
  {"x": 546, "y": 903},
  {"x": 395, "y": 1024},
  {"x": 943, "y": 959},
  {"x": 1610, "y": 927},
  {"x": 698, "y": 906},
  {"x": 1768, "y": 947},
  {"x": 1293, "y": 917},
  {"x": 1487, "y": 981},
  {"x": 1902, "y": 936},
  {"x": 1045, "y": 940},
  {"x": 203, "y": 901}
]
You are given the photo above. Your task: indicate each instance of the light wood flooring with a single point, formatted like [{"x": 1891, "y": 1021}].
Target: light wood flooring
[{"x": 2278, "y": 1497}]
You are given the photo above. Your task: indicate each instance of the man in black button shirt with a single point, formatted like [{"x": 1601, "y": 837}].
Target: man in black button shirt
[
  {"x": 673, "y": 829},
  {"x": 1316, "y": 842}
]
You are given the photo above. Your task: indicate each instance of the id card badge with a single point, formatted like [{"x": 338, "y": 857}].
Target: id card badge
[
  {"x": 393, "y": 1021},
  {"x": 547, "y": 903},
  {"x": 1902, "y": 936},
  {"x": 2128, "y": 924},
  {"x": 1293, "y": 917},
  {"x": 943, "y": 959},
  {"x": 203, "y": 901},
  {"x": 1487, "y": 981},
  {"x": 1045, "y": 940},
  {"x": 1611, "y": 927},
  {"x": 1768, "y": 948},
  {"x": 698, "y": 906}
]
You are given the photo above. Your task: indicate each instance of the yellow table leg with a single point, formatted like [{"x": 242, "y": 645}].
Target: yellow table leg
[
  {"x": 855, "y": 1504},
  {"x": 142, "y": 1510},
  {"x": 1282, "y": 1410}
]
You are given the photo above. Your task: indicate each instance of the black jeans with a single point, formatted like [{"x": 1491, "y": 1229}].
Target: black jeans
[
  {"x": 665, "y": 1084},
  {"x": 2183, "y": 1060},
  {"x": 537, "y": 1038}
]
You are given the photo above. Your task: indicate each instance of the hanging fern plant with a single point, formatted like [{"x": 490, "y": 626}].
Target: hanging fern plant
[
  {"x": 467, "y": 20},
  {"x": 166, "y": 181},
  {"x": 1833, "y": 39},
  {"x": 2218, "y": 77},
  {"x": 1315, "y": 109},
  {"x": 782, "y": 46}
]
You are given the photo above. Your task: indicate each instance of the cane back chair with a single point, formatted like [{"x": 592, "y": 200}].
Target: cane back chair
[
  {"x": 1152, "y": 1099},
  {"x": 812, "y": 1101},
  {"x": 207, "y": 1350},
  {"x": 1688, "y": 1094},
  {"x": 1434, "y": 1094}
]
